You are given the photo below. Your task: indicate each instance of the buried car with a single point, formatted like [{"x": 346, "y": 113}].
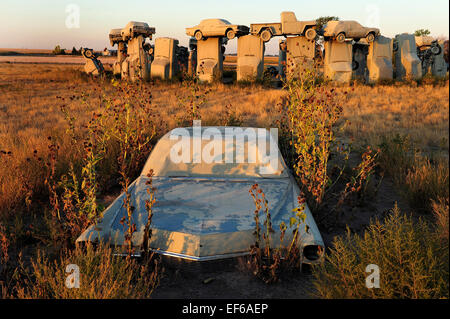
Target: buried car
[
  {"x": 203, "y": 209},
  {"x": 216, "y": 28},
  {"x": 341, "y": 30}
]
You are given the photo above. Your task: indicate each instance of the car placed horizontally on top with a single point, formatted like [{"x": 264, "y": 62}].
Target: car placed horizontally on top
[
  {"x": 203, "y": 209},
  {"x": 289, "y": 26},
  {"x": 341, "y": 30},
  {"x": 216, "y": 28},
  {"x": 134, "y": 29}
]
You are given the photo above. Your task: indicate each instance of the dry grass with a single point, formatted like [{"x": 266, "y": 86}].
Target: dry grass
[
  {"x": 412, "y": 261},
  {"x": 31, "y": 97},
  {"x": 30, "y": 112},
  {"x": 421, "y": 112},
  {"x": 102, "y": 275}
]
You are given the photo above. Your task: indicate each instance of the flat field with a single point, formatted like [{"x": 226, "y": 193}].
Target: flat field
[{"x": 31, "y": 97}]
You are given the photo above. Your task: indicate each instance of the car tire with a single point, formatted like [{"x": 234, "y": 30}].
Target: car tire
[
  {"x": 436, "y": 50},
  {"x": 310, "y": 34},
  {"x": 198, "y": 35},
  {"x": 266, "y": 35},
  {"x": 231, "y": 34},
  {"x": 370, "y": 37},
  {"x": 88, "y": 54},
  {"x": 340, "y": 37}
]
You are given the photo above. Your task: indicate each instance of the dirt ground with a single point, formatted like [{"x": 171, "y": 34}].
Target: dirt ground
[{"x": 227, "y": 281}]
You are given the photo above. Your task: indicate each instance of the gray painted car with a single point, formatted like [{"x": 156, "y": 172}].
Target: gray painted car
[{"x": 204, "y": 211}]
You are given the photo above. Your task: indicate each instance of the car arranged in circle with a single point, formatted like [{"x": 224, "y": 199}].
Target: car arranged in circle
[
  {"x": 216, "y": 28},
  {"x": 341, "y": 30}
]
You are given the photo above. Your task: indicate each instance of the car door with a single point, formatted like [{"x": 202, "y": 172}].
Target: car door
[
  {"x": 219, "y": 28},
  {"x": 357, "y": 30},
  {"x": 205, "y": 28}
]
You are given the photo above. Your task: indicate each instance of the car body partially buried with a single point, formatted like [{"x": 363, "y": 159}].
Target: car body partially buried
[{"x": 204, "y": 211}]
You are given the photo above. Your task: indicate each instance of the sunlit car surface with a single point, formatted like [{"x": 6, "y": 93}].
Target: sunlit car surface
[
  {"x": 216, "y": 28},
  {"x": 340, "y": 30},
  {"x": 203, "y": 211}
]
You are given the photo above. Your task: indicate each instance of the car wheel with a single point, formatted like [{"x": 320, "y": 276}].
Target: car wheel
[
  {"x": 370, "y": 37},
  {"x": 266, "y": 35},
  {"x": 88, "y": 54},
  {"x": 310, "y": 34},
  {"x": 198, "y": 35},
  {"x": 436, "y": 49},
  {"x": 231, "y": 34},
  {"x": 340, "y": 37}
]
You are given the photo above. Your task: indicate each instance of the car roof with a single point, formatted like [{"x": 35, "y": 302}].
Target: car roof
[
  {"x": 137, "y": 24},
  {"x": 162, "y": 164},
  {"x": 214, "y": 21}
]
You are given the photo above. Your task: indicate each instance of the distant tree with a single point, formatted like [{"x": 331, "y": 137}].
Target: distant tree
[
  {"x": 421, "y": 32},
  {"x": 321, "y": 21},
  {"x": 57, "y": 50},
  {"x": 75, "y": 51}
]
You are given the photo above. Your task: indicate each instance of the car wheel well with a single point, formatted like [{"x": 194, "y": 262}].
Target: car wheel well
[
  {"x": 228, "y": 30},
  {"x": 197, "y": 32},
  {"x": 266, "y": 29},
  {"x": 338, "y": 35}
]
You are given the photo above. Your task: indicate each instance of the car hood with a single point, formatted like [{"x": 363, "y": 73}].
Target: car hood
[
  {"x": 198, "y": 217},
  {"x": 199, "y": 205}
]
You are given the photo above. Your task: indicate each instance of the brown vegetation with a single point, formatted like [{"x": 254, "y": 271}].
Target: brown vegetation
[{"x": 57, "y": 125}]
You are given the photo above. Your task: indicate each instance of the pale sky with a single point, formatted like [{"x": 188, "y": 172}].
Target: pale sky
[{"x": 41, "y": 24}]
